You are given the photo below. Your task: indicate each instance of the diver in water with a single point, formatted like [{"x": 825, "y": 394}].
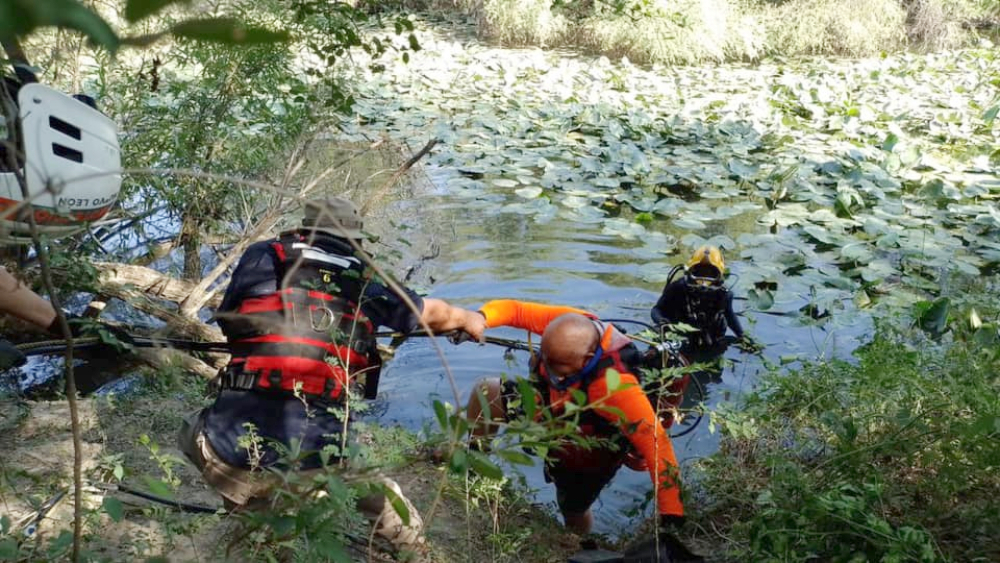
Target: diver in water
[{"x": 701, "y": 300}]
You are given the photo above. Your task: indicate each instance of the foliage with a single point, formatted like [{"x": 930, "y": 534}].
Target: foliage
[
  {"x": 692, "y": 31},
  {"x": 23, "y": 17},
  {"x": 229, "y": 112},
  {"x": 892, "y": 458},
  {"x": 835, "y": 27}
]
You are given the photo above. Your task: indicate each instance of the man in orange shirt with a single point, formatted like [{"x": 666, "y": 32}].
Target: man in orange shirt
[{"x": 578, "y": 352}]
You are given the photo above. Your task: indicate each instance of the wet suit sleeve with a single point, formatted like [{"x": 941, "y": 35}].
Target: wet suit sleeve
[
  {"x": 670, "y": 302},
  {"x": 254, "y": 275},
  {"x": 385, "y": 307},
  {"x": 643, "y": 429},
  {"x": 522, "y": 314},
  {"x": 731, "y": 319}
]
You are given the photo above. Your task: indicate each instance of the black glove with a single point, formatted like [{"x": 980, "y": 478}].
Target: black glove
[{"x": 10, "y": 356}]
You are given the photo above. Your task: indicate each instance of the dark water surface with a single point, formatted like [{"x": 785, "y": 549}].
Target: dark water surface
[{"x": 488, "y": 253}]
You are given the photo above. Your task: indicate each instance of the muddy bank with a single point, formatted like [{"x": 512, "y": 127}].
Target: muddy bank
[{"x": 133, "y": 437}]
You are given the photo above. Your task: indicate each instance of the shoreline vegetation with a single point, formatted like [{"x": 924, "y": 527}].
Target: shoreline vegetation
[
  {"x": 690, "y": 32},
  {"x": 879, "y": 175}
]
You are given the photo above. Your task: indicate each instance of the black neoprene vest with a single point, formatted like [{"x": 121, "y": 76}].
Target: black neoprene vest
[{"x": 309, "y": 335}]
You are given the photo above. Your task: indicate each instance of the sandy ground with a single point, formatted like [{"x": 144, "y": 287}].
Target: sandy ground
[{"x": 36, "y": 466}]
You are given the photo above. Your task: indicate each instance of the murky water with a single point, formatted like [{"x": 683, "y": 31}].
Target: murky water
[{"x": 487, "y": 253}]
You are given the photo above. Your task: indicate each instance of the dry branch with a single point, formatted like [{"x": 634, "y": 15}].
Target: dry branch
[
  {"x": 398, "y": 174},
  {"x": 116, "y": 279}
]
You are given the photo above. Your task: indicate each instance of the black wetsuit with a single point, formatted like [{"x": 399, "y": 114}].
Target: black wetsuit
[{"x": 708, "y": 310}]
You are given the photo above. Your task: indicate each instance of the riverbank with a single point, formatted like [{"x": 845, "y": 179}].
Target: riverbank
[{"x": 131, "y": 440}]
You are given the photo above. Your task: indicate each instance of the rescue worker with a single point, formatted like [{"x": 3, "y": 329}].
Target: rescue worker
[
  {"x": 577, "y": 353},
  {"x": 700, "y": 299},
  {"x": 300, "y": 313}
]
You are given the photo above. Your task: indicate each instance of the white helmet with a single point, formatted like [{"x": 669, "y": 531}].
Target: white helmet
[{"x": 72, "y": 166}]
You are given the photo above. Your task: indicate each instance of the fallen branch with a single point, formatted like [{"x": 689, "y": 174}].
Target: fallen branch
[{"x": 398, "y": 174}]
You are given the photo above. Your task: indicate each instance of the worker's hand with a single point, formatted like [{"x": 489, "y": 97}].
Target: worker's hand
[
  {"x": 475, "y": 325},
  {"x": 10, "y": 356}
]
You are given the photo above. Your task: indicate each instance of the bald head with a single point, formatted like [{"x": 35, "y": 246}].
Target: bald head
[{"x": 568, "y": 343}]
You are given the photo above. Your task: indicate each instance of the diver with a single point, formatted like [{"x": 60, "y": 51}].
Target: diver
[{"x": 701, "y": 300}]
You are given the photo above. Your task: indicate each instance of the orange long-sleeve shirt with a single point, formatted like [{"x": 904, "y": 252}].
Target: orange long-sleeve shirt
[{"x": 627, "y": 407}]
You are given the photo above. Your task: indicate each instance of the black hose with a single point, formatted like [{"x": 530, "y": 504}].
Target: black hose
[
  {"x": 182, "y": 506},
  {"x": 701, "y": 415},
  {"x": 630, "y": 321}
]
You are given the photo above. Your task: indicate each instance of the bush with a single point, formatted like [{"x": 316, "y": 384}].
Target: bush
[
  {"x": 839, "y": 27},
  {"x": 938, "y": 24},
  {"x": 522, "y": 22},
  {"x": 683, "y": 33},
  {"x": 894, "y": 458},
  {"x": 693, "y": 31}
]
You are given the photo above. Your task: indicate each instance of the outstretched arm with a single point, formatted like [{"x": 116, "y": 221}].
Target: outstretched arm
[
  {"x": 16, "y": 299},
  {"x": 523, "y": 314},
  {"x": 442, "y": 317}
]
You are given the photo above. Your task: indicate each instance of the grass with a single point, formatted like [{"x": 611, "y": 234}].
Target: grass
[
  {"x": 892, "y": 458},
  {"x": 695, "y": 31}
]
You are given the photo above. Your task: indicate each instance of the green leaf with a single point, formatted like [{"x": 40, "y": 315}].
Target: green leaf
[
  {"x": 8, "y": 549},
  {"x": 113, "y": 507},
  {"x": 459, "y": 461},
  {"x": 483, "y": 466},
  {"x": 990, "y": 115},
  {"x": 414, "y": 44},
  {"x": 516, "y": 457},
  {"x": 933, "y": 316},
  {"x": 4, "y": 524},
  {"x": 226, "y": 30},
  {"x": 528, "y": 398},
  {"x": 398, "y": 504},
  {"x": 158, "y": 488},
  {"x": 614, "y": 380},
  {"x": 136, "y": 10},
  {"x": 442, "y": 414},
  {"x": 890, "y": 142},
  {"x": 21, "y": 17}
]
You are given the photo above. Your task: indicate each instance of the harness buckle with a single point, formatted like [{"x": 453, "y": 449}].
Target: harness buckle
[{"x": 239, "y": 379}]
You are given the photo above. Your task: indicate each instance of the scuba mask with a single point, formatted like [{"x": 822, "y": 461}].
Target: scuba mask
[{"x": 586, "y": 372}]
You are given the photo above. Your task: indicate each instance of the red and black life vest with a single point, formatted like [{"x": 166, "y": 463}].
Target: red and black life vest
[{"x": 309, "y": 335}]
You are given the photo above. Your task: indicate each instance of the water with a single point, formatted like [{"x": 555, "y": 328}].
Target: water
[{"x": 490, "y": 254}]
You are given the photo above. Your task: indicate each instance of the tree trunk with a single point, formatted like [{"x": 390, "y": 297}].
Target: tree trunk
[{"x": 191, "y": 243}]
